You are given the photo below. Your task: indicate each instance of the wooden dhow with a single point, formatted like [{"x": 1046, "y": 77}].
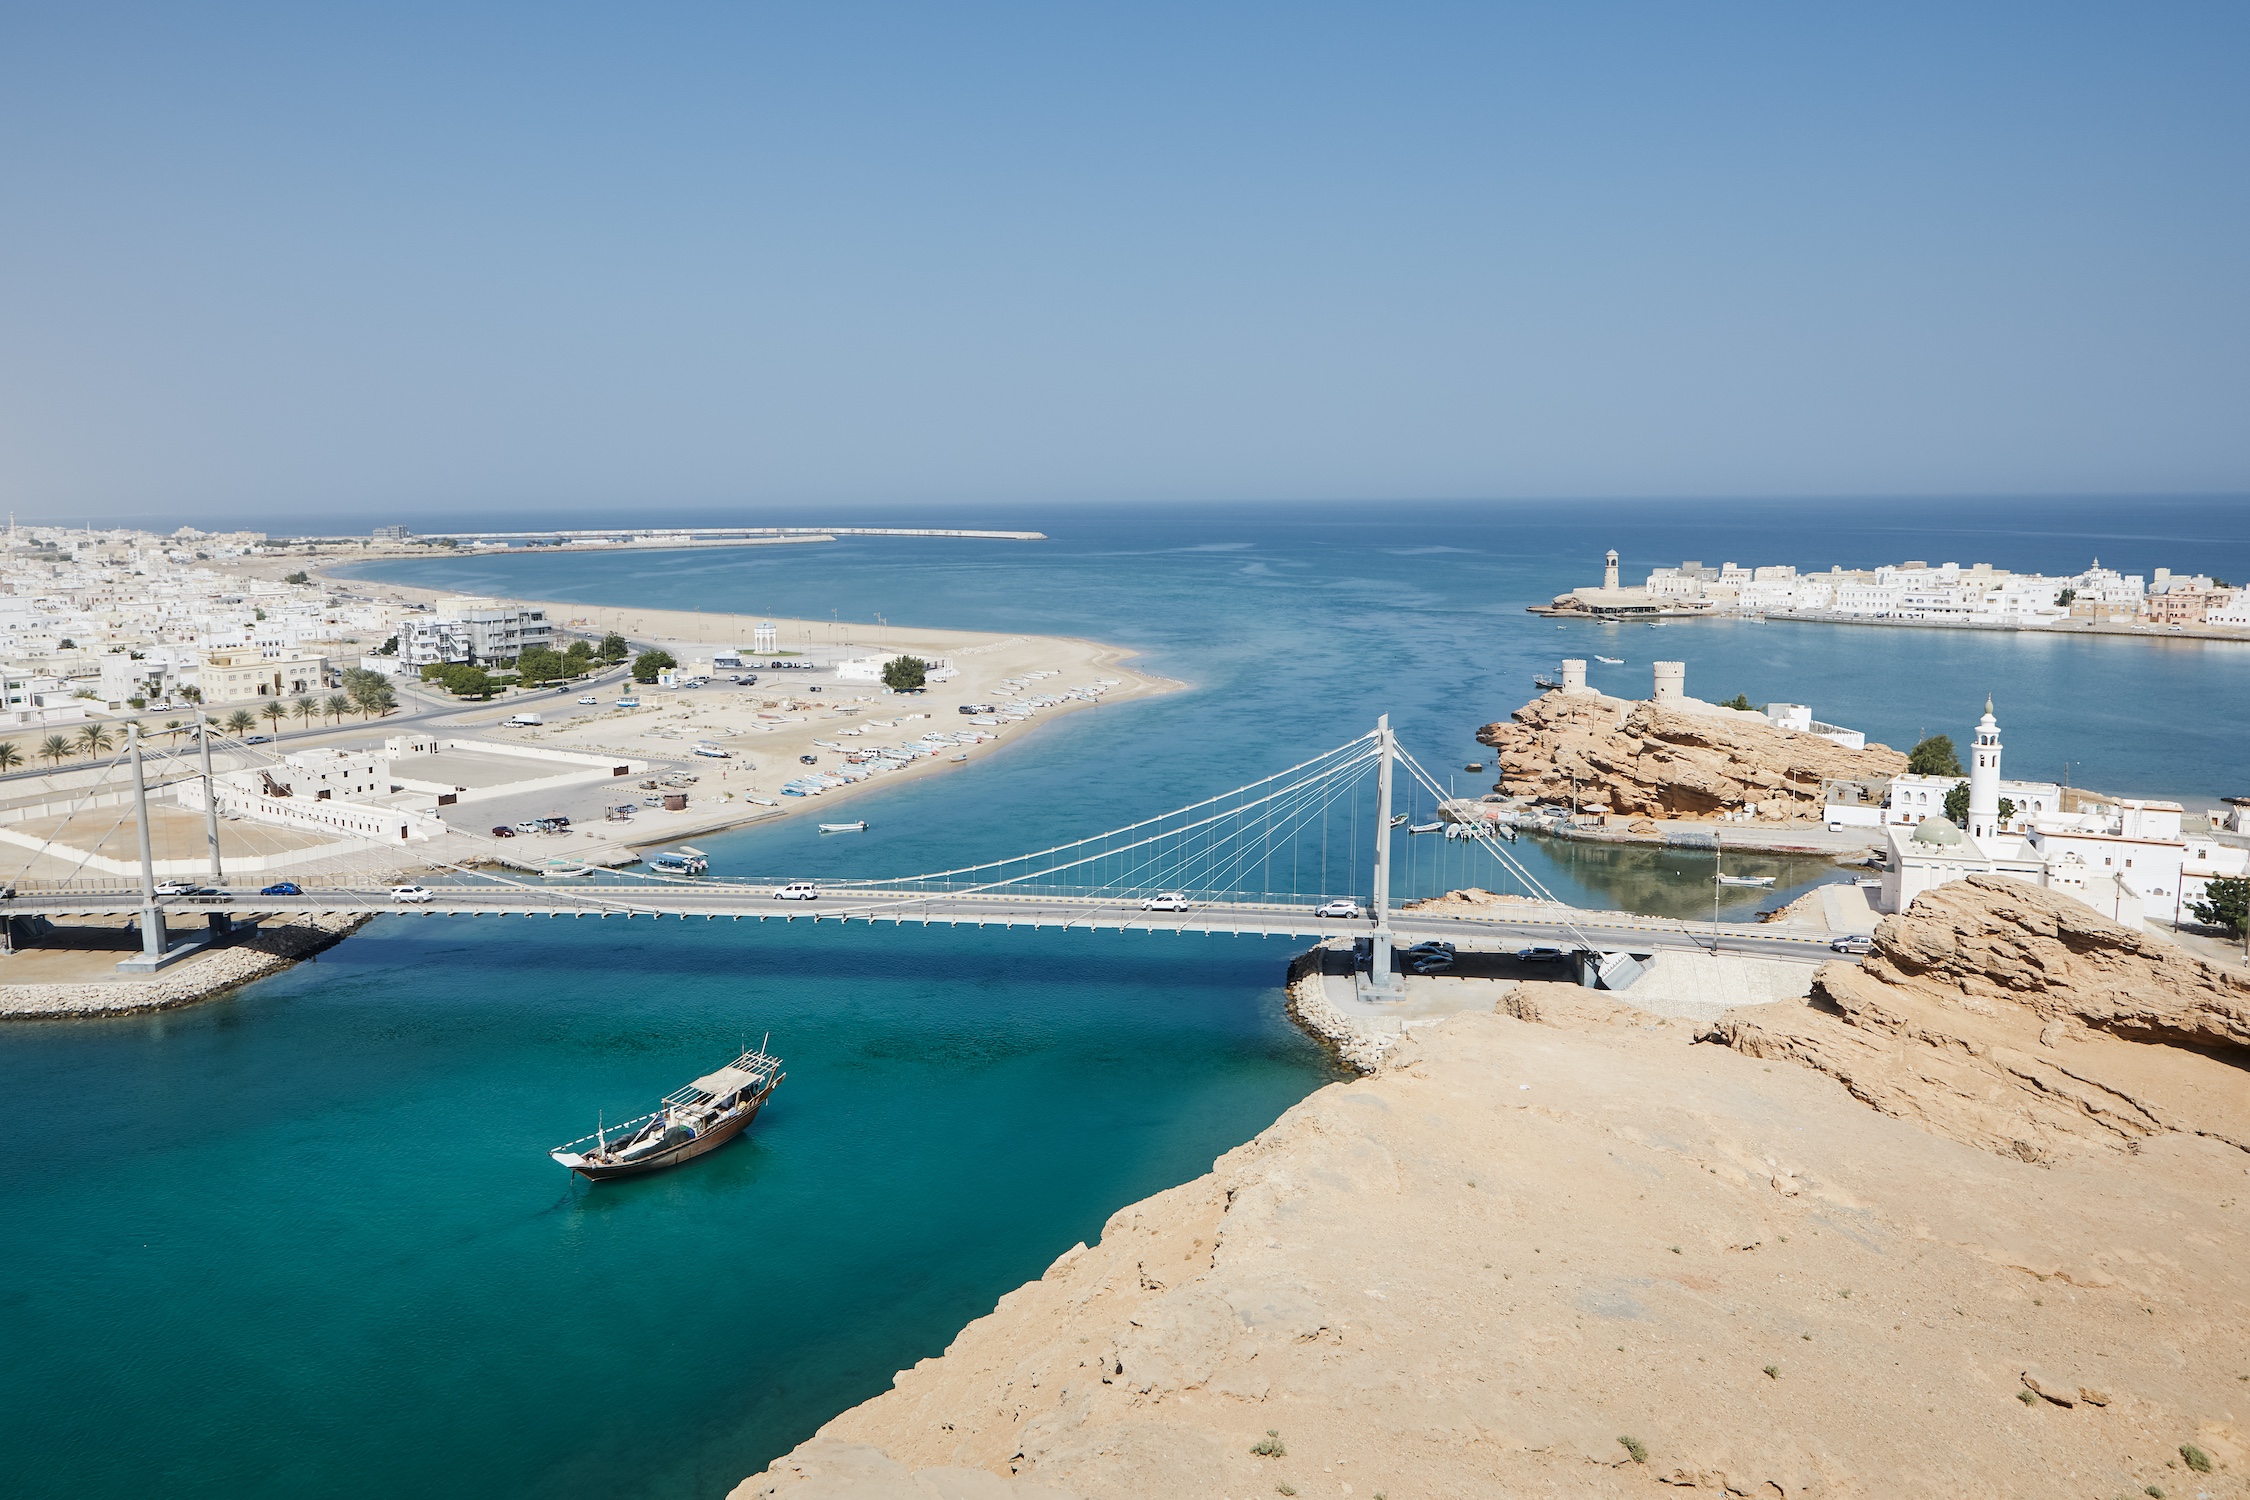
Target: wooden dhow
[{"x": 699, "y": 1118}]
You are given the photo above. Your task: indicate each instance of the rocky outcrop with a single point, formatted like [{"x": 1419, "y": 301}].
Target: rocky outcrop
[
  {"x": 272, "y": 947},
  {"x": 2018, "y": 1020},
  {"x": 1642, "y": 759},
  {"x": 1565, "y": 1251}
]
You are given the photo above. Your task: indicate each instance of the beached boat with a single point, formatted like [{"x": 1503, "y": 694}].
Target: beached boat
[
  {"x": 701, "y": 1117},
  {"x": 1757, "y": 880},
  {"x": 859, "y": 827}
]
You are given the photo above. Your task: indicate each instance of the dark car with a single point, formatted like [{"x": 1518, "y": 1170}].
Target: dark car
[
  {"x": 282, "y": 888},
  {"x": 1541, "y": 954},
  {"x": 808, "y": 760},
  {"x": 502, "y": 831}
]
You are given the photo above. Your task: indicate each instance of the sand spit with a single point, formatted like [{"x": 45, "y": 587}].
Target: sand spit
[
  {"x": 270, "y": 949},
  {"x": 1563, "y": 1249}
]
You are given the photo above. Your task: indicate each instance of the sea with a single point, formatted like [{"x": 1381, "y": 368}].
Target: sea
[{"x": 306, "y": 1239}]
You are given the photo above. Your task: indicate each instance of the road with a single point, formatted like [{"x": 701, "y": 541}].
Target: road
[{"x": 735, "y": 901}]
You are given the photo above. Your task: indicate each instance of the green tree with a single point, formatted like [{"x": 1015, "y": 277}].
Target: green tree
[
  {"x": 2225, "y": 903},
  {"x": 2007, "y": 808},
  {"x": 54, "y": 749},
  {"x": 615, "y": 648},
  {"x": 1957, "y": 803},
  {"x": 2065, "y": 597},
  {"x": 1740, "y": 701},
  {"x": 905, "y": 674},
  {"x": 336, "y": 705},
  {"x": 305, "y": 709},
  {"x": 10, "y": 756},
  {"x": 94, "y": 739},
  {"x": 539, "y": 664},
  {"x": 649, "y": 663},
  {"x": 191, "y": 694},
  {"x": 1935, "y": 756},
  {"x": 465, "y": 681},
  {"x": 241, "y": 722},
  {"x": 580, "y": 656},
  {"x": 388, "y": 648},
  {"x": 299, "y": 577},
  {"x": 274, "y": 713}
]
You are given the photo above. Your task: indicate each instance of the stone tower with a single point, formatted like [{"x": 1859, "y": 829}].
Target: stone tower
[
  {"x": 1609, "y": 570},
  {"x": 1670, "y": 685},
  {"x": 1984, "y": 778}
]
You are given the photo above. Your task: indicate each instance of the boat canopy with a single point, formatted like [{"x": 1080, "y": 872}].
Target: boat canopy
[{"x": 726, "y": 1081}]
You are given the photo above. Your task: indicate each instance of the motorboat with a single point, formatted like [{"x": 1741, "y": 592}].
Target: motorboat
[
  {"x": 859, "y": 827},
  {"x": 690, "y": 1121},
  {"x": 1424, "y": 827},
  {"x": 566, "y": 870},
  {"x": 679, "y": 862},
  {"x": 1760, "y": 881},
  {"x": 1610, "y": 661}
]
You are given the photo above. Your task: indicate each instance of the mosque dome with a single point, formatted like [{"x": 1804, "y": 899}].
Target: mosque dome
[{"x": 1938, "y": 831}]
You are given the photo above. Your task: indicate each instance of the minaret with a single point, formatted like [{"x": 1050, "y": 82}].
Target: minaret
[
  {"x": 1984, "y": 778},
  {"x": 1609, "y": 571}
]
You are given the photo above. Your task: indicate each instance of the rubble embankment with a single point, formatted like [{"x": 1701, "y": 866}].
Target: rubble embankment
[
  {"x": 1561, "y": 1248},
  {"x": 241, "y": 960}
]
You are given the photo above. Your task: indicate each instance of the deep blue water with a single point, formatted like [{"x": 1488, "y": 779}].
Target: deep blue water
[{"x": 305, "y": 1240}]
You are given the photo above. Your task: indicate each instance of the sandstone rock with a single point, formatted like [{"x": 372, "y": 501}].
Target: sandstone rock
[
  {"x": 1998, "y": 1013},
  {"x": 1637, "y": 758}
]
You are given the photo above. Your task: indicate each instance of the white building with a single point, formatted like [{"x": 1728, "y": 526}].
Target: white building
[
  {"x": 2126, "y": 861},
  {"x": 472, "y": 632}
]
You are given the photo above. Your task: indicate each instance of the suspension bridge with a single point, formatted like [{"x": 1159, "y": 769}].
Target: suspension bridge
[{"x": 1309, "y": 851}]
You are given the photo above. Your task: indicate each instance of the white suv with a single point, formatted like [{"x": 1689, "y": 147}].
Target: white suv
[
  {"x": 410, "y": 893},
  {"x": 1340, "y": 907},
  {"x": 1169, "y": 901},
  {"x": 798, "y": 890}
]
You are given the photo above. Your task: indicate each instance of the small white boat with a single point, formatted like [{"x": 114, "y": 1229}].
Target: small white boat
[
  {"x": 1424, "y": 827},
  {"x": 566, "y": 871},
  {"x": 1756, "y": 880},
  {"x": 1610, "y": 661},
  {"x": 960, "y": 757},
  {"x": 859, "y": 827}
]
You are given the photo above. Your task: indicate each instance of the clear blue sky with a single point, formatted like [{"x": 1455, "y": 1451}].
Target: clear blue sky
[{"x": 418, "y": 256}]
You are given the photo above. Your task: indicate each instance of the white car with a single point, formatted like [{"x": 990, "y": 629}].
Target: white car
[
  {"x": 589, "y": 698},
  {"x": 798, "y": 890},
  {"x": 414, "y": 894},
  {"x": 1169, "y": 901},
  {"x": 1340, "y": 907}
]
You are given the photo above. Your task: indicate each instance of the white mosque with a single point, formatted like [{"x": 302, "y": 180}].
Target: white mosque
[{"x": 2128, "y": 860}]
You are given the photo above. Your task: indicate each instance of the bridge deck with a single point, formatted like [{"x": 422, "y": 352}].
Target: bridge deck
[{"x": 907, "y": 908}]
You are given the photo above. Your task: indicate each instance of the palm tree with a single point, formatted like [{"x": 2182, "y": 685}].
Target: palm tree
[
  {"x": 10, "y": 756},
  {"x": 305, "y": 710},
  {"x": 274, "y": 713},
  {"x": 94, "y": 739},
  {"x": 338, "y": 705},
  {"x": 54, "y": 748},
  {"x": 240, "y": 722}
]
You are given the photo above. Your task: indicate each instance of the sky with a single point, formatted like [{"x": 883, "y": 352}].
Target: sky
[{"x": 293, "y": 257}]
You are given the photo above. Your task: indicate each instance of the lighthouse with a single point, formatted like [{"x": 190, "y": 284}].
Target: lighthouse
[
  {"x": 1984, "y": 778},
  {"x": 1609, "y": 571}
]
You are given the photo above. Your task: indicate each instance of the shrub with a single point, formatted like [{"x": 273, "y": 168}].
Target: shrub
[
  {"x": 1270, "y": 1446},
  {"x": 2195, "y": 1458},
  {"x": 905, "y": 674},
  {"x": 1637, "y": 1448},
  {"x": 1773, "y": 1372}
]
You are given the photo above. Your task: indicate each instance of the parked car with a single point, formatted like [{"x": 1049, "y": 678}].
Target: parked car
[
  {"x": 1343, "y": 906},
  {"x": 798, "y": 890},
  {"x": 281, "y": 888},
  {"x": 1853, "y": 942},
  {"x": 808, "y": 760},
  {"x": 502, "y": 831},
  {"x": 412, "y": 894},
  {"x": 1169, "y": 901},
  {"x": 529, "y": 825}
]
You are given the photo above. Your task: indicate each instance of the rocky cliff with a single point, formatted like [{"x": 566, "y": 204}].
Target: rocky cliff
[
  {"x": 1563, "y": 1250},
  {"x": 1638, "y": 758},
  {"x": 2016, "y": 1019}
]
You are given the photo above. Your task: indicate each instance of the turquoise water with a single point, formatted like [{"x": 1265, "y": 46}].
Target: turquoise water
[{"x": 305, "y": 1240}]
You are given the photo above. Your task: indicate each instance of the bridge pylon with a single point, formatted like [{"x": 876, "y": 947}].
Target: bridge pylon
[{"x": 1381, "y": 983}]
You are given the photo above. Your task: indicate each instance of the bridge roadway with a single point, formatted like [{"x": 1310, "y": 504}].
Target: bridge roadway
[{"x": 737, "y": 901}]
